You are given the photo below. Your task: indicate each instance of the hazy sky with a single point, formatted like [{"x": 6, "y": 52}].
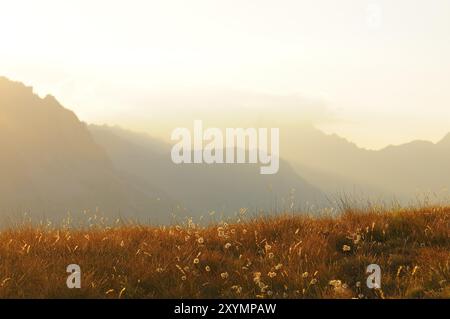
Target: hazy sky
[{"x": 381, "y": 67}]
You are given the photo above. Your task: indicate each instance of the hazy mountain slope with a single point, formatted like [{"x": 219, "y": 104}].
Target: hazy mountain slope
[
  {"x": 203, "y": 188},
  {"x": 50, "y": 164},
  {"x": 402, "y": 171},
  {"x": 415, "y": 167},
  {"x": 445, "y": 142}
]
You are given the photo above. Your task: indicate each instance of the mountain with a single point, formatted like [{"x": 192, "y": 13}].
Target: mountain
[
  {"x": 445, "y": 142},
  {"x": 402, "y": 172},
  {"x": 50, "y": 163},
  {"x": 201, "y": 189}
]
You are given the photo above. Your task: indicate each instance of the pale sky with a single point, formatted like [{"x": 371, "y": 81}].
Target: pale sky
[{"x": 382, "y": 67}]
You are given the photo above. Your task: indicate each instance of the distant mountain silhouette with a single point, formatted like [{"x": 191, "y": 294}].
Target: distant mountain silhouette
[
  {"x": 402, "y": 171},
  {"x": 50, "y": 163},
  {"x": 445, "y": 142},
  {"x": 201, "y": 189}
]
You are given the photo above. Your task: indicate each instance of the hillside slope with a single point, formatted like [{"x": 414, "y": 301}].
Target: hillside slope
[
  {"x": 50, "y": 163},
  {"x": 53, "y": 163},
  {"x": 400, "y": 171},
  {"x": 201, "y": 189}
]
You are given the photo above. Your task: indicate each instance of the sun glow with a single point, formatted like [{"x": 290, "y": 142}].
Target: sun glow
[{"x": 108, "y": 61}]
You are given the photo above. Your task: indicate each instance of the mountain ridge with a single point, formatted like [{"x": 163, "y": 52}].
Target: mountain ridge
[{"x": 53, "y": 162}]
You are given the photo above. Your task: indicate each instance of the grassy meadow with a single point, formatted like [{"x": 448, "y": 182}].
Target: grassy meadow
[{"x": 287, "y": 256}]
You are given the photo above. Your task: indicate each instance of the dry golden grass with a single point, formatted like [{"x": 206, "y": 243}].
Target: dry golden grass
[{"x": 280, "y": 257}]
